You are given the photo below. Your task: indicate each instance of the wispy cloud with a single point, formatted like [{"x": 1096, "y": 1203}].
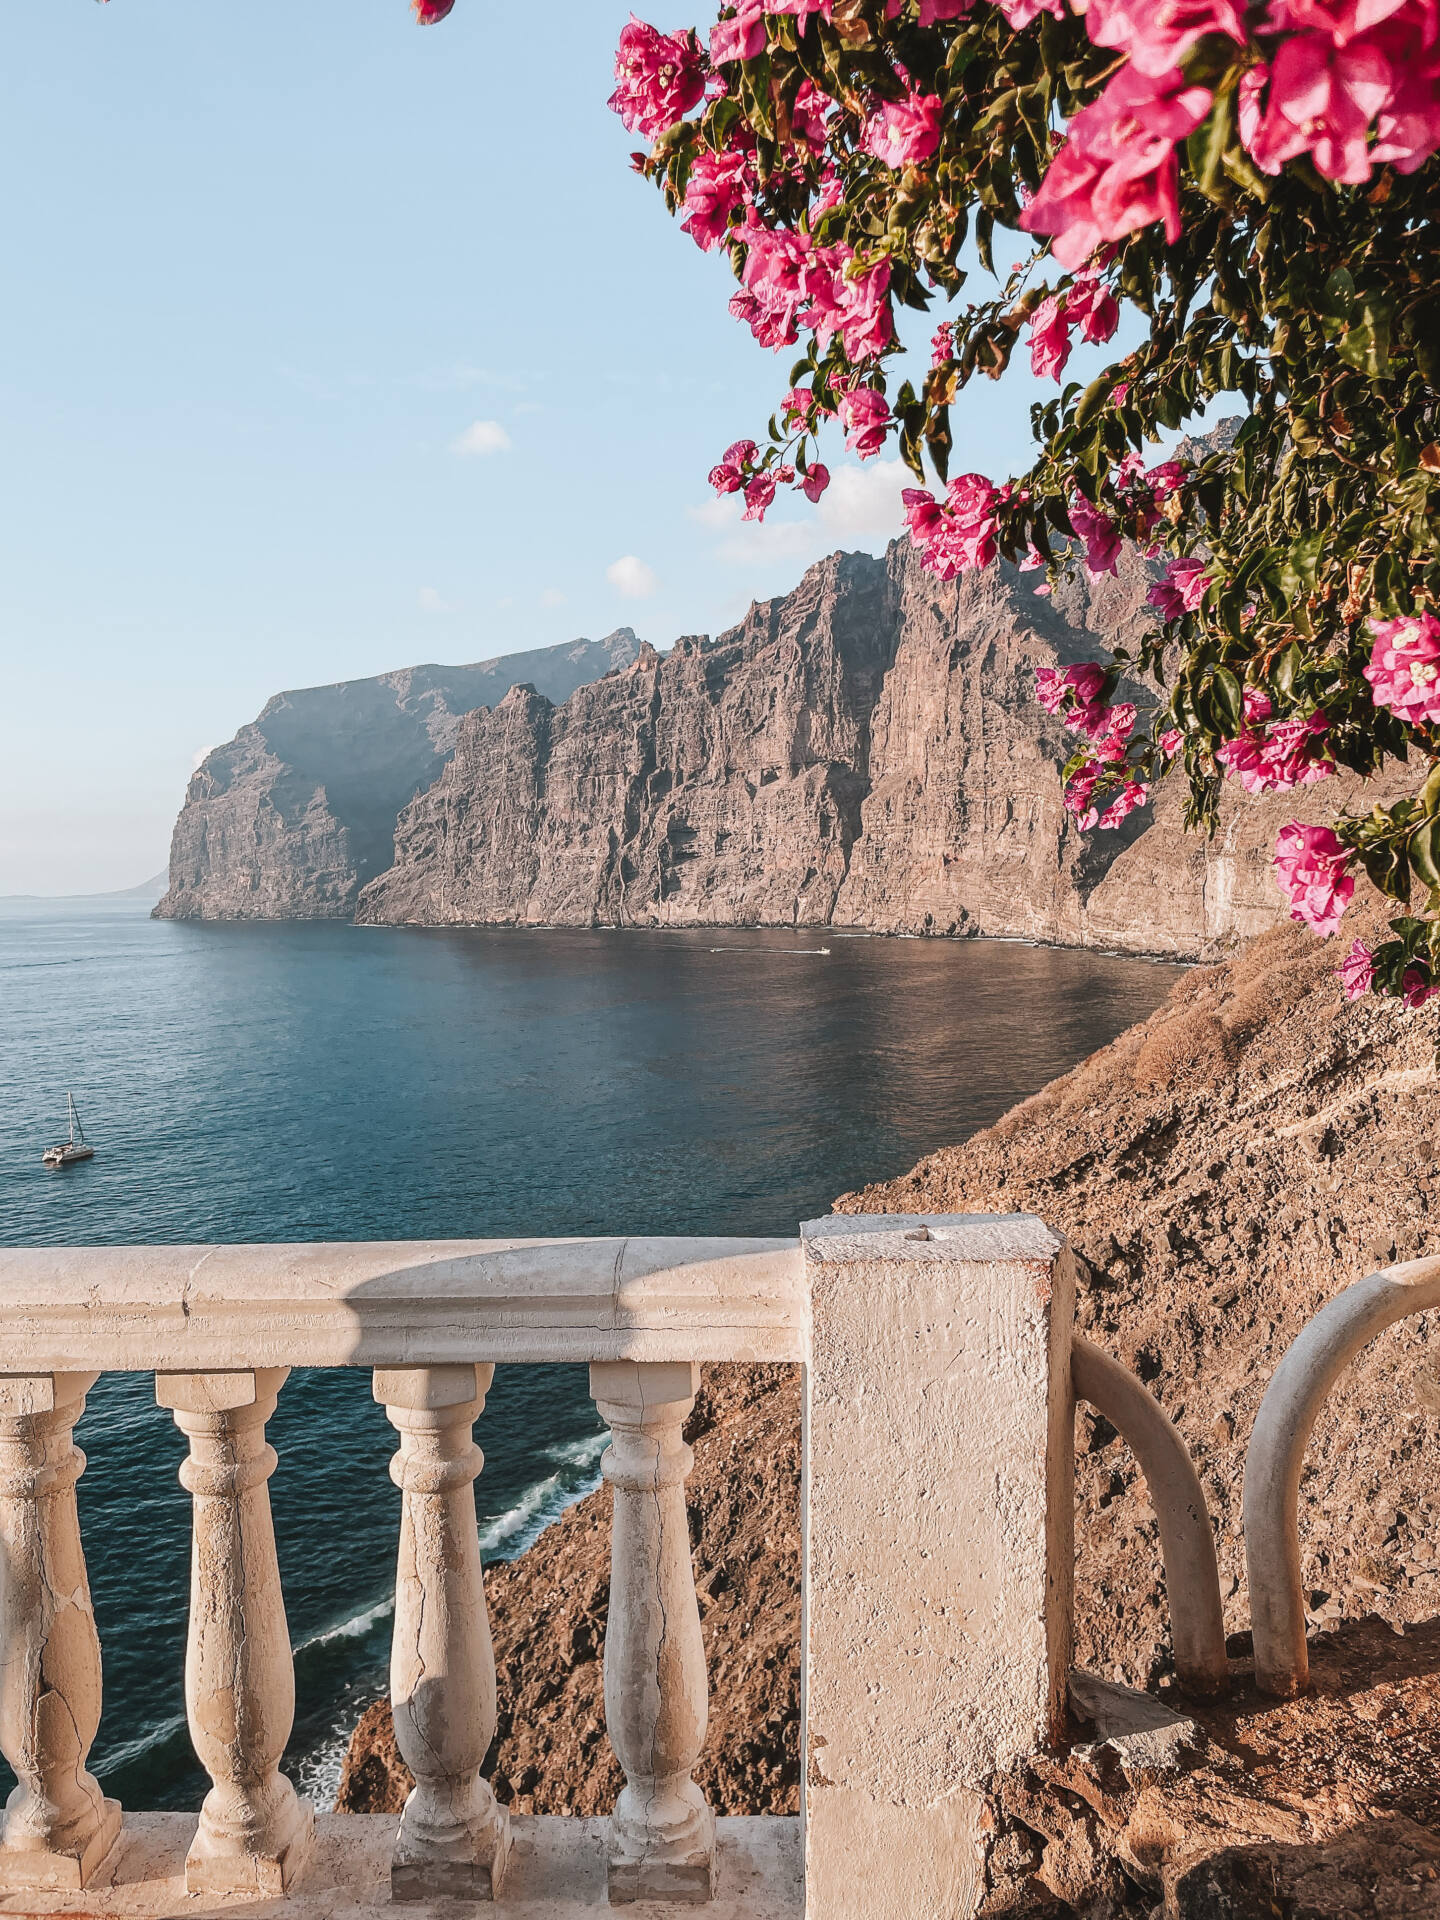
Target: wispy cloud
[
  {"x": 552, "y": 597},
  {"x": 630, "y": 576},
  {"x": 430, "y": 601},
  {"x": 202, "y": 755},
  {"x": 482, "y": 437}
]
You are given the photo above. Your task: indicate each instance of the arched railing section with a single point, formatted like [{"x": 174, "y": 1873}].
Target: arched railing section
[
  {"x": 1292, "y": 1401},
  {"x": 1192, "y": 1576}
]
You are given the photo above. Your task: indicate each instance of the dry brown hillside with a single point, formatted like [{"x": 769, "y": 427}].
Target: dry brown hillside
[{"x": 1222, "y": 1170}]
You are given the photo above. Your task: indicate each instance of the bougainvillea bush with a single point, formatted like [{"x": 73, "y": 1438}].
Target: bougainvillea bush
[{"x": 1259, "y": 184}]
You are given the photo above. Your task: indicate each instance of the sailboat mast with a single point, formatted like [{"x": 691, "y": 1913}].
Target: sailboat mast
[{"x": 75, "y": 1126}]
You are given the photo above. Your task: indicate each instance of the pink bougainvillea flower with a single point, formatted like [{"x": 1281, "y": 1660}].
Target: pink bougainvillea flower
[
  {"x": 1357, "y": 971},
  {"x": 1182, "y": 589},
  {"x": 1132, "y": 795},
  {"x": 1102, "y": 538},
  {"x": 902, "y": 133},
  {"x": 1310, "y": 865},
  {"x": 1415, "y": 987},
  {"x": 1169, "y": 742},
  {"x": 1092, "y": 307},
  {"x": 942, "y": 347},
  {"x": 933, "y": 10},
  {"x": 1102, "y": 724},
  {"x": 1320, "y": 100},
  {"x": 957, "y": 536},
  {"x": 1117, "y": 171},
  {"x": 742, "y": 36},
  {"x": 759, "y": 492},
  {"x": 1054, "y": 686},
  {"x": 427, "y": 12},
  {"x": 1404, "y": 669},
  {"x": 1158, "y": 36},
  {"x": 719, "y": 185},
  {"x": 1275, "y": 759},
  {"x": 816, "y": 480},
  {"x": 733, "y": 470},
  {"x": 1050, "y": 337},
  {"x": 866, "y": 416},
  {"x": 659, "y": 77},
  {"x": 854, "y": 305}
]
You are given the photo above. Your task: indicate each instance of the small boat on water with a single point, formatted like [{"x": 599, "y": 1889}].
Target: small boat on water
[{"x": 73, "y": 1149}]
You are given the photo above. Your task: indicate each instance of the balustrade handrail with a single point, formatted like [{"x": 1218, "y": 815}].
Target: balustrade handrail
[{"x": 401, "y": 1303}]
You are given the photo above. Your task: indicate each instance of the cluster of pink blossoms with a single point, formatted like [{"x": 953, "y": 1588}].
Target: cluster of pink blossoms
[
  {"x": 737, "y": 471},
  {"x": 1182, "y": 589},
  {"x": 1075, "y": 694},
  {"x": 1353, "y": 84},
  {"x": 957, "y": 536},
  {"x": 1275, "y": 759},
  {"x": 1404, "y": 669},
  {"x": 1087, "y": 304},
  {"x": 788, "y": 282},
  {"x": 1312, "y": 865},
  {"x": 659, "y": 77}
]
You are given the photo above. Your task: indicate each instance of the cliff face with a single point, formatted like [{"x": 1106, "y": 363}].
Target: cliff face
[
  {"x": 294, "y": 815},
  {"x": 866, "y": 751}
]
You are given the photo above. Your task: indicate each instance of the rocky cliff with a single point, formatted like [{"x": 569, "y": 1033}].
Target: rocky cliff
[
  {"x": 295, "y": 814},
  {"x": 866, "y": 751},
  {"x": 1222, "y": 1170}
]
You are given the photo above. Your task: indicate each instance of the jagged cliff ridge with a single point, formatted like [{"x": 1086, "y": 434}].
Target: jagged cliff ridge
[
  {"x": 298, "y": 811},
  {"x": 866, "y": 751}
]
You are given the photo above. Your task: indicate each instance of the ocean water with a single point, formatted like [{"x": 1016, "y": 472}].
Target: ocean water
[{"x": 300, "y": 1082}]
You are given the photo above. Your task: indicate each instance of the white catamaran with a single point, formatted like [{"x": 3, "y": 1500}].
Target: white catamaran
[{"x": 73, "y": 1149}]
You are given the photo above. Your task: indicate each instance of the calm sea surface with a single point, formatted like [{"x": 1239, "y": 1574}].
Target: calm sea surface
[{"x": 321, "y": 1082}]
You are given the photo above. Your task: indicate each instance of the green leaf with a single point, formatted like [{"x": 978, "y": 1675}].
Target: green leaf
[
  {"x": 1425, "y": 851},
  {"x": 1365, "y": 344}
]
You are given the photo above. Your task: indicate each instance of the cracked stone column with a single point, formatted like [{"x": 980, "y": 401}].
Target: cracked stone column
[
  {"x": 939, "y": 1520},
  {"x": 58, "y": 1826},
  {"x": 662, "y": 1833},
  {"x": 255, "y": 1831},
  {"x": 454, "y": 1838}
]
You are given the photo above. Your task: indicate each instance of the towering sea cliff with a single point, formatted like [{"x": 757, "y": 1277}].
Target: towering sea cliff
[
  {"x": 865, "y": 752},
  {"x": 295, "y": 814}
]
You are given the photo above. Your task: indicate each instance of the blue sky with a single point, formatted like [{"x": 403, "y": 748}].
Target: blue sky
[{"x": 330, "y": 344}]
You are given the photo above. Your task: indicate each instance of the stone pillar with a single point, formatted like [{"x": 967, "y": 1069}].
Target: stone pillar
[
  {"x": 939, "y": 1503},
  {"x": 662, "y": 1833},
  {"x": 255, "y": 1831},
  {"x": 453, "y": 1839},
  {"x": 58, "y": 1826}
]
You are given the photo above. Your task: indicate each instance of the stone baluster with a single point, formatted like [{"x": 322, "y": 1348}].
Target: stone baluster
[
  {"x": 255, "y": 1831},
  {"x": 58, "y": 1826},
  {"x": 454, "y": 1839},
  {"x": 662, "y": 1833}
]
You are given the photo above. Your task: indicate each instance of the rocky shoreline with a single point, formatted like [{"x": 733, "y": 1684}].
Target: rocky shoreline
[{"x": 1221, "y": 1170}]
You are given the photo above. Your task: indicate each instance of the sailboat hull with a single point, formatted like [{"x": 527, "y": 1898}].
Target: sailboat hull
[{"x": 66, "y": 1156}]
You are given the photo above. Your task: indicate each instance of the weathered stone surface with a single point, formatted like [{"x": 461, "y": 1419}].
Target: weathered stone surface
[
  {"x": 865, "y": 751},
  {"x": 292, "y": 817}
]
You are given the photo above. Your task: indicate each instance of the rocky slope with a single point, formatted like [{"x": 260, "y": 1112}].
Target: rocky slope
[
  {"x": 866, "y": 751},
  {"x": 295, "y": 814},
  {"x": 1223, "y": 1170}
]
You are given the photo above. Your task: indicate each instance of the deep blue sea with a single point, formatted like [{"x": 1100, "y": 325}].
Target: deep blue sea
[{"x": 328, "y": 1082}]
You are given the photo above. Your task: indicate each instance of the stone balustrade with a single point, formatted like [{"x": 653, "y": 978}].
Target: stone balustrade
[{"x": 938, "y": 1551}]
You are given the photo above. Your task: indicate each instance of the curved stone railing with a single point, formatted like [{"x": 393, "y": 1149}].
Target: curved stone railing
[
  {"x": 1187, "y": 1541},
  {"x": 1276, "y": 1456}
]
